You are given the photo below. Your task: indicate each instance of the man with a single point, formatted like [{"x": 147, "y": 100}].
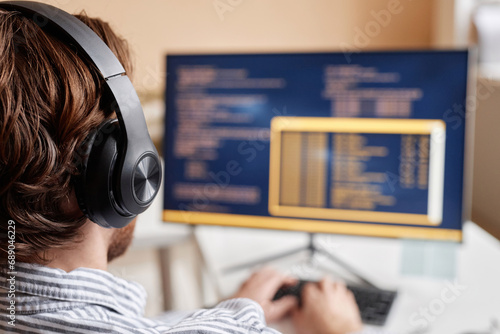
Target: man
[{"x": 54, "y": 275}]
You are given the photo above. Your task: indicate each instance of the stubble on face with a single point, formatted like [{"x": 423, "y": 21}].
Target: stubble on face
[{"x": 120, "y": 241}]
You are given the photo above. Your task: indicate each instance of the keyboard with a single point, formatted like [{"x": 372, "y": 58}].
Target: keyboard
[{"x": 374, "y": 304}]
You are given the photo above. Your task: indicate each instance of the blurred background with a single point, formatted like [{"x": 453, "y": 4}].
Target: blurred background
[{"x": 154, "y": 28}]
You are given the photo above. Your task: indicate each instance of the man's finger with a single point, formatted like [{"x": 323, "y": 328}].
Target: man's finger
[
  {"x": 296, "y": 313},
  {"x": 290, "y": 280},
  {"x": 309, "y": 293},
  {"x": 351, "y": 297},
  {"x": 340, "y": 287},
  {"x": 281, "y": 307},
  {"x": 326, "y": 284},
  {"x": 273, "y": 282},
  {"x": 261, "y": 276}
]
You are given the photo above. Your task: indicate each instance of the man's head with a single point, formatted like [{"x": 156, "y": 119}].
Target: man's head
[{"x": 50, "y": 100}]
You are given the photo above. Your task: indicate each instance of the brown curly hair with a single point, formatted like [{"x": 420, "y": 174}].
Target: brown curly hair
[{"x": 50, "y": 100}]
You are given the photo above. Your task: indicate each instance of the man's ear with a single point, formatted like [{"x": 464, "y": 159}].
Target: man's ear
[{"x": 70, "y": 205}]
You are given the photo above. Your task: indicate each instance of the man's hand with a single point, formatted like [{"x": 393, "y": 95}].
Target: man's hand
[
  {"x": 262, "y": 286},
  {"x": 327, "y": 308}
]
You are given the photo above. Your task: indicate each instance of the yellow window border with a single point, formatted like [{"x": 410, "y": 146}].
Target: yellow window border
[
  {"x": 435, "y": 128},
  {"x": 313, "y": 226}
]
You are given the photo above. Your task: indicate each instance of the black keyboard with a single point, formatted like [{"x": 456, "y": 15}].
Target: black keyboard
[{"x": 374, "y": 304}]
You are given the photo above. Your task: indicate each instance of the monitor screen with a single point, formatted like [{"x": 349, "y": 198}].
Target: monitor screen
[{"x": 368, "y": 143}]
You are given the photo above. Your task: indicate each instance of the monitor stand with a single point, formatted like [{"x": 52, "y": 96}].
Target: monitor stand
[{"x": 313, "y": 250}]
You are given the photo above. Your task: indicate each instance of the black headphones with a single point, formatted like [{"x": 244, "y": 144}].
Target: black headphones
[{"x": 120, "y": 171}]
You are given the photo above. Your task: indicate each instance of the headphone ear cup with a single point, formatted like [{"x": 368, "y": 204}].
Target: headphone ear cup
[{"x": 94, "y": 185}]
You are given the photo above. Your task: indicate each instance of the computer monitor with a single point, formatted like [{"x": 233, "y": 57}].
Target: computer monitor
[{"x": 369, "y": 143}]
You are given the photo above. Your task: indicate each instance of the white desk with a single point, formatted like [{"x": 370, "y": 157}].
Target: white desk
[{"x": 466, "y": 310}]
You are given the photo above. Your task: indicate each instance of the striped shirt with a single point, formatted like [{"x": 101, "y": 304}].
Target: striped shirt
[{"x": 38, "y": 299}]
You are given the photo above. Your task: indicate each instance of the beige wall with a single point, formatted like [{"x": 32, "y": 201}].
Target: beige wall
[
  {"x": 444, "y": 23},
  {"x": 155, "y": 27}
]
